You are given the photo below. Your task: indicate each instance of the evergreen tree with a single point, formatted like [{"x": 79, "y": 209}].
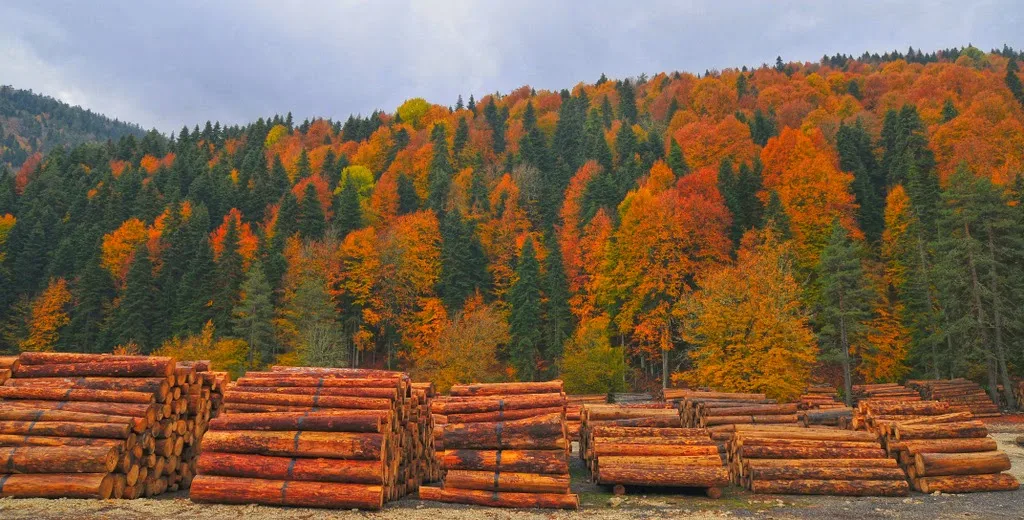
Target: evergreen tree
[
  {"x": 315, "y": 318},
  {"x": 463, "y": 264},
  {"x": 496, "y": 121},
  {"x": 252, "y": 316},
  {"x": 303, "y": 169},
  {"x": 461, "y": 139},
  {"x": 227, "y": 280},
  {"x": 440, "y": 175},
  {"x": 857, "y": 157},
  {"x": 775, "y": 216},
  {"x": 949, "y": 111},
  {"x": 676, "y": 161},
  {"x": 627, "y": 102},
  {"x": 348, "y": 215},
  {"x": 595, "y": 145},
  {"x": 558, "y": 319},
  {"x": 524, "y": 315},
  {"x": 408, "y": 200},
  {"x": 311, "y": 215},
  {"x": 909, "y": 161},
  {"x": 1013, "y": 80},
  {"x": 763, "y": 127},
  {"x": 138, "y": 309},
  {"x": 845, "y": 303},
  {"x": 93, "y": 294}
]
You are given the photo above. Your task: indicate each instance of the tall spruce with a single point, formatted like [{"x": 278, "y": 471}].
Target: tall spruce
[
  {"x": 525, "y": 315},
  {"x": 348, "y": 213},
  {"x": 440, "y": 174},
  {"x": 311, "y": 215},
  {"x": 252, "y": 316},
  {"x": 227, "y": 280},
  {"x": 856, "y": 155},
  {"x": 463, "y": 264},
  {"x": 138, "y": 308}
]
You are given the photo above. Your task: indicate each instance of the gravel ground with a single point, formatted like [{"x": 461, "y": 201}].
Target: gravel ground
[{"x": 597, "y": 504}]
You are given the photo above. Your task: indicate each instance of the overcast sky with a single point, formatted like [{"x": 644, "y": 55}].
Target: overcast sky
[{"x": 164, "y": 64}]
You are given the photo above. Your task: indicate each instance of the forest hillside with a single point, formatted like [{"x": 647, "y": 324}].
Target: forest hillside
[{"x": 852, "y": 219}]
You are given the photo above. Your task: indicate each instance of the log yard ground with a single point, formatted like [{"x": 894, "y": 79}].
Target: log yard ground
[{"x": 596, "y": 503}]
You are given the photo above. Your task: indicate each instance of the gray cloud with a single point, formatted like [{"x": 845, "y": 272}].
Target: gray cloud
[{"x": 165, "y": 64}]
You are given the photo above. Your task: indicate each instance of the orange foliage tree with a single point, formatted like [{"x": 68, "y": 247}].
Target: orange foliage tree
[
  {"x": 49, "y": 314},
  {"x": 248, "y": 242}
]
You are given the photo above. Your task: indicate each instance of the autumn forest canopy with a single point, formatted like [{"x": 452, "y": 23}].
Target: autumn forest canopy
[{"x": 753, "y": 229}]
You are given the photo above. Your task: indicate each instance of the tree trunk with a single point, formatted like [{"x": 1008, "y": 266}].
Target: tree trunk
[
  {"x": 1004, "y": 375},
  {"x": 924, "y": 274},
  {"x": 993, "y": 391},
  {"x": 847, "y": 376}
]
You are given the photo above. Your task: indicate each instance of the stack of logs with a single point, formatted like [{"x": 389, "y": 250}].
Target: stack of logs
[
  {"x": 884, "y": 391},
  {"x": 655, "y": 456},
  {"x": 505, "y": 445},
  {"x": 6, "y": 363},
  {"x": 819, "y": 407},
  {"x": 102, "y": 426},
  {"x": 316, "y": 437},
  {"x": 813, "y": 461},
  {"x": 720, "y": 411},
  {"x": 959, "y": 392},
  {"x": 424, "y": 395},
  {"x": 819, "y": 397},
  {"x": 942, "y": 449},
  {"x": 594, "y": 415},
  {"x": 573, "y": 409}
]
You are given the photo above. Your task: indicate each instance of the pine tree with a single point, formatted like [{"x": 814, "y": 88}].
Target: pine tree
[
  {"x": 408, "y": 200},
  {"x": 525, "y": 314},
  {"x": 138, "y": 309},
  {"x": 227, "y": 280},
  {"x": 857, "y": 157},
  {"x": 461, "y": 139},
  {"x": 348, "y": 215},
  {"x": 93, "y": 294},
  {"x": 497, "y": 123},
  {"x": 194, "y": 291},
  {"x": 311, "y": 215},
  {"x": 303, "y": 169},
  {"x": 440, "y": 175},
  {"x": 949, "y": 111},
  {"x": 558, "y": 319},
  {"x": 1013, "y": 80},
  {"x": 845, "y": 303},
  {"x": 676, "y": 161},
  {"x": 627, "y": 102},
  {"x": 253, "y": 314},
  {"x": 595, "y": 145},
  {"x": 314, "y": 317},
  {"x": 763, "y": 127},
  {"x": 463, "y": 264}
]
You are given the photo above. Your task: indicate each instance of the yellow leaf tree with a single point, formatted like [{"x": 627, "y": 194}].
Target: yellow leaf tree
[
  {"x": 49, "y": 314},
  {"x": 749, "y": 330}
]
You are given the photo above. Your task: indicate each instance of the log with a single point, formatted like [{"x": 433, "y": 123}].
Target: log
[
  {"x": 748, "y": 419},
  {"x": 500, "y": 499},
  {"x": 285, "y": 468},
  {"x": 72, "y": 394},
  {"x": 334, "y": 445},
  {"x": 59, "y": 459},
  {"x": 784, "y": 452},
  {"x": 57, "y": 485},
  {"x": 147, "y": 411},
  {"x": 66, "y": 429},
  {"x": 139, "y": 367},
  {"x": 231, "y": 490},
  {"x": 311, "y": 401},
  {"x": 971, "y": 429},
  {"x": 968, "y": 483},
  {"x": 891, "y": 488},
  {"x": 540, "y": 432},
  {"x": 945, "y": 445},
  {"x": 516, "y": 461},
  {"x": 515, "y": 482},
  {"x": 277, "y": 379},
  {"x": 941, "y": 464},
  {"x": 497, "y": 403},
  {"x": 806, "y": 433},
  {"x": 626, "y": 431},
  {"x": 28, "y": 414},
  {"x": 674, "y": 476},
  {"x": 479, "y": 389},
  {"x": 773, "y": 409},
  {"x": 804, "y": 443},
  {"x": 381, "y": 393},
  {"x": 359, "y": 421},
  {"x": 661, "y": 461},
  {"x": 603, "y": 449},
  {"x": 155, "y": 385},
  {"x": 503, "y": 415},
  {"x": 35, "y": 440},
  {"x": 827, "y": 473}
]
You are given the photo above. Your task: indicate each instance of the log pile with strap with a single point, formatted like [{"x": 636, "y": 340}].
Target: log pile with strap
[
  {"x": 820, "y": 397},
  {"x": 877, "y": 415},
  {"x": 650, "y": 415},
  {"x": 622, "y": 456},
  {"x": 316, "y": 437},
  {"x": 505, "y": 445},
  {"x": 102, "y": 426},
  {"x": 813, "y": 461},
  {"x": 719, "y": 411},
  {"x": 957, "y": 392},
  {"x": 949, "y": 452}
]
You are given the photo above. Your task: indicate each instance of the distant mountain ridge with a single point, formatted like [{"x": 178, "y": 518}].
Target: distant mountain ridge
[{"x": 34, "y": 123}]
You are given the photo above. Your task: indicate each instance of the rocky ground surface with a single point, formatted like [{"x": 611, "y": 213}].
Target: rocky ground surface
[{"x": 597, "y": 503}]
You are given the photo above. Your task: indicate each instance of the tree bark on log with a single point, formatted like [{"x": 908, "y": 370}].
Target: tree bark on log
[
  {"x": 516, "y": 461},
  {"x": 481, "y": 389},
  {"x": 514, "y": 482},
  {"x": 335, "y": 445},
  {"x": 964, "y": 430},
  {"x": 311, "y": 401},
  {"x": 941, "y": 464},
  {"x": 945, "y": 445},
  {"x": 782, "y": 452},
  {"x": 604, "y": 449},
  {"x": 498, "y": 403},
  {"x": 285, "y": 468},
  {"x": 138, "y": 367},
  {"x": 827, "y": 473},
  {"x": 502, "y": 415},
  {"x": 59, "y": 459},
  {"x": 66, "y": 429},
  {"x": 57, "y": 485},
  {"x": 892, "y": 488},
  {"x": 296, "y": 493},
  {"x": 968, "y": 483},
  {"x": 371, "y": 421},
  {"x": 73, "y": 394},
  {"x": 500, "y": 499},
  {"x": 27, "y": 414},
  {"x": 540, "y": 432}
]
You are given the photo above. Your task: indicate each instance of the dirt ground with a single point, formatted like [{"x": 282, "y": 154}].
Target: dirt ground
[{"x": 596, "y": 503}]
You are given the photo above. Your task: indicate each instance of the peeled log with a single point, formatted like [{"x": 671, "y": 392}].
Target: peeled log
[
  {"x": 57, "y": 485},
  {"x": 808, "y": 433},
  {"x": 515, "y": 482},
  {"x": 501, "y": 415},
  {"x": 802, "y": 443},
  {"x": 138, "y": 367},
  {"x": 540, "y": 432},
  {"x": 66, "y": 429},
  {"x": 154, "y": 385},
  {"x": 28, "y": 414},
  {"x": 478, "y": 389},
  {"x": 516, "y": 461},
  {"x": 334, "y": 445},
  {"x": 785, "y": 452},
  {"x": 382, "y": 393},
  {"x": 770, "y": 409},
  {"x": 827, "y": 473},
  {"x": 296, "y": 493},
  {"x": 285, "y": 468},
  {"x": 39, "y": 440},
  {"x": 59, "y": 459},
  {"x": 825, "y": 463},
  {"x": 963, "y": 430},
  {"x": 496, "y": 403},
  {"x": 626, "y": 431},
  {"x": 72, "y": 394},
  {"x": 370, "y": 421},
  {"x": 968, "y": 483},
  {"x": 147, "y": 411},
  {"x": 670, "y": 476},
  {"x": 500, "y": 499},
  {"x": 653, "y": 450},
  {"x": 941, "y": 464},
  {"x": 855, "y": 488},
  {"x": 277, "y": 379},
  {"x": 686, "y": 461}
]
